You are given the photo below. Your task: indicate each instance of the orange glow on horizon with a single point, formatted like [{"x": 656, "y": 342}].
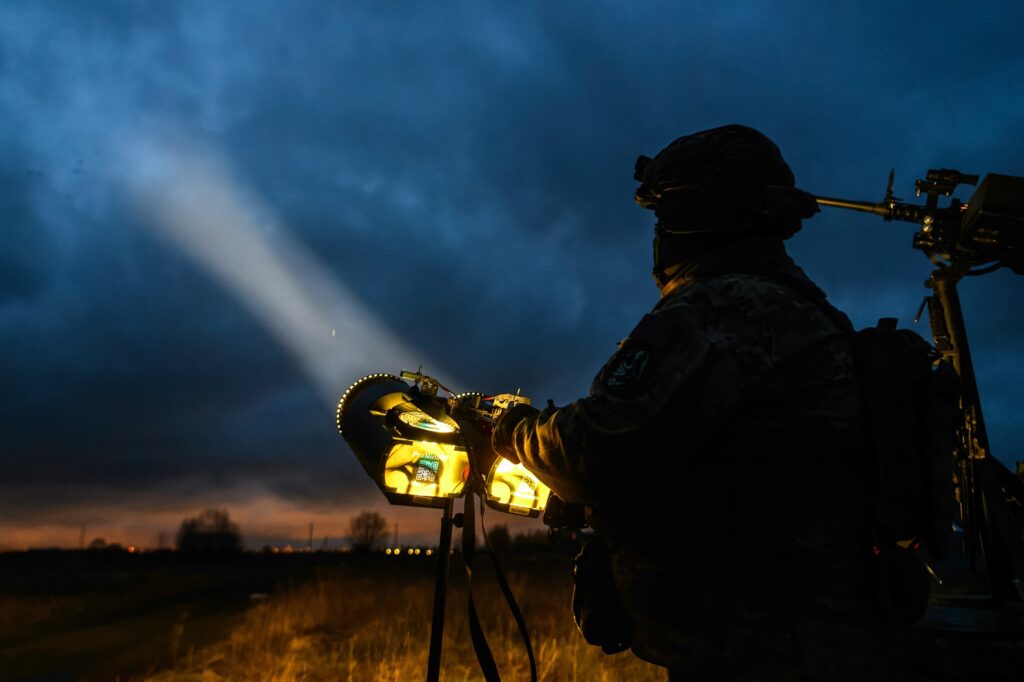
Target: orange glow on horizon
[{"x": 143, "y": 521}]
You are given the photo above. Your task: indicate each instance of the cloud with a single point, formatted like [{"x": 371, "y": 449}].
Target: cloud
[
  {"x": 26, "y": 247},
  {"x": 462, "y": 178}
]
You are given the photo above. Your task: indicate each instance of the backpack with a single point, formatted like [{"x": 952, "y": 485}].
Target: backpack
[
  {"x": 911, "y": 399},
  {"x": 911, "y": 410}
]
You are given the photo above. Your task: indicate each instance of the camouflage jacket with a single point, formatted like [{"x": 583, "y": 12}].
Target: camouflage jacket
[{"x": 726, "y": 428}]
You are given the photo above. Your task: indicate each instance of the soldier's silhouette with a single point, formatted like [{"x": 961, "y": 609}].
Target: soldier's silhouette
[{"x": 728, "y": 424}]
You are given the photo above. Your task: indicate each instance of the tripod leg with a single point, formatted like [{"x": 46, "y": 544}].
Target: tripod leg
[{"x": 444, "y": 552}]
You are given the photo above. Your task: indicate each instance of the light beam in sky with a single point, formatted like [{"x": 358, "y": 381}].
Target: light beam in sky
[{"x": 189, "y": 195}]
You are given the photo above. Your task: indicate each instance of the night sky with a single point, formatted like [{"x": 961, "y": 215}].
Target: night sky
[{"x": 216, "y": 216}]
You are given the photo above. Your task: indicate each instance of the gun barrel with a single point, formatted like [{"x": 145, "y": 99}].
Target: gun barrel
[{"x": 866, "y": 206}]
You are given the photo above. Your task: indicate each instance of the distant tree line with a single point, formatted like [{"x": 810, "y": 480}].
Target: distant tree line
[
  {"x": 367, "y": 532},
  {"x": 211, "y": 533},
  {"x": 503, "y": 542}
]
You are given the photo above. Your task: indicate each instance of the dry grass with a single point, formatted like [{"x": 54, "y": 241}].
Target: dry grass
[
  {"x": 18, "y": 612},
  {"x": 342, "y": 626}
]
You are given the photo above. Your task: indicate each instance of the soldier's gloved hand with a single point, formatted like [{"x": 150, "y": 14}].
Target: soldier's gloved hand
[
  {"x": 501, "y": 439},
  {"x": 478, "y": 438}
]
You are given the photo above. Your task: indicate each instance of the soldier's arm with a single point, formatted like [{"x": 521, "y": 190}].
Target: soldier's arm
[{"x": 673, "y": 381}]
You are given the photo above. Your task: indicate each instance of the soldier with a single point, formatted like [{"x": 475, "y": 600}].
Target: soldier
[{"x": 724, "y": 431}]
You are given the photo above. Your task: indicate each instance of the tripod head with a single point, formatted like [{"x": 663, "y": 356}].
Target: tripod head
[{"x": 974, "y": 237}]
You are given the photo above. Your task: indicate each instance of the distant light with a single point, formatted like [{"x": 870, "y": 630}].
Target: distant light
[
  {"x": 131, "y": 549},
  {"x": 409, "y": 550},
  {"x": 417, "y": 550},
  {"x": 387, "y": 551},
  {"x": 429, "y": 552}
]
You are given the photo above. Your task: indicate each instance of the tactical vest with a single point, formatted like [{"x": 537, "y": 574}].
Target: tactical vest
[{"x": 770, "y": 512}]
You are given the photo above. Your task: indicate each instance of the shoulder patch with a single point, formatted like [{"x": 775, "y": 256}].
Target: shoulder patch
[{"x": 629, "y": 370}]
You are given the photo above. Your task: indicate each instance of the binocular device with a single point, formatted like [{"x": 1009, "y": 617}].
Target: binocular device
[{"x": 422, "y": 449}]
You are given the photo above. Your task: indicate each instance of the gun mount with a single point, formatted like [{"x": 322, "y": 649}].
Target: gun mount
[{"x": 975, "y": 237}]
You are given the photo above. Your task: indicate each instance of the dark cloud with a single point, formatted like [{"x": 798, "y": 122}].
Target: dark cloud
[
  {"x": 466, "y": 173},
  {"x": 26, "y": 247}
]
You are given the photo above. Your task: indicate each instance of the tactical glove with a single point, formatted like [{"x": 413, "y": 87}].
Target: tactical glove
[{"x": 502, "y": 439}]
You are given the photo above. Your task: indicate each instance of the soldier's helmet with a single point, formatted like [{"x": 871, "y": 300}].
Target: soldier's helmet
[{"x": 727, "y": 178}]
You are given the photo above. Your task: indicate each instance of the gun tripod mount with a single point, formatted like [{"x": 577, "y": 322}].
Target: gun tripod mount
[{"x": 966, "y": 239}]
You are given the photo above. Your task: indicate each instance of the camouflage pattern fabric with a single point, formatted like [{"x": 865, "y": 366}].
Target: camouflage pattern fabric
[{"x": 726, "y": 430}]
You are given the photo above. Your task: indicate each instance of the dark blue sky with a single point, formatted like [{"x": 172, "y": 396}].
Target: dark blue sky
[{"x": 462, "y": 173}]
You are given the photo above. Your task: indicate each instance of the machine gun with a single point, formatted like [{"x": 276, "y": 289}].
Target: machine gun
[
  {"x": 969, "y": 238},
  {"x": 976, "y": 237}
]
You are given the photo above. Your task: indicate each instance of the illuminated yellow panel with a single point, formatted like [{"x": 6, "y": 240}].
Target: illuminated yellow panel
[
  {"x": 426, "y": 469},
  {"x": 411, "y": 415},
  {"x": 511, "y": 484}
]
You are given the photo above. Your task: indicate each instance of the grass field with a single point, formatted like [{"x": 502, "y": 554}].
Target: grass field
[
  {"x": 326, "y": 617},
  {"x": 357, "y": 625}
]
